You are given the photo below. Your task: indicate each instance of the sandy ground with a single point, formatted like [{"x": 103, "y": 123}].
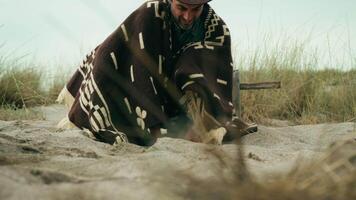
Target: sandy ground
[{"x": 38, "y": 161}]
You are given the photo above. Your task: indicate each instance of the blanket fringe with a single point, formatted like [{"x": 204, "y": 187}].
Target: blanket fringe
[
  {"x": 65, "y": 123},
  {"x": 66, "y": 98}
]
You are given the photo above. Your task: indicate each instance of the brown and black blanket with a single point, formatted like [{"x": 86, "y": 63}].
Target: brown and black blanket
[{"x": 132, "y": 82}]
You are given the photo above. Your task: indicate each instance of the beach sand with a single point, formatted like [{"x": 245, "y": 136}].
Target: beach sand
[{"x": 38, "y": 161}]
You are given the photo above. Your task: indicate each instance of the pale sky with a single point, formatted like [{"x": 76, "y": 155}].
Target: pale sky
[{"x": 63, "y": 31}]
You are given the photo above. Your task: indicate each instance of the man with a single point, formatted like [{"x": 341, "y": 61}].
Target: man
[{"x": 167, "y": 69}]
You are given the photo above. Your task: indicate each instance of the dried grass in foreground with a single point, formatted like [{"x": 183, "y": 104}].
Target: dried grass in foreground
[{"x": 332, "y": 177}]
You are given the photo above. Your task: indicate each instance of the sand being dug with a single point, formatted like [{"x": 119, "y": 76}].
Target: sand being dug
[{"x": 37, "y": 161}]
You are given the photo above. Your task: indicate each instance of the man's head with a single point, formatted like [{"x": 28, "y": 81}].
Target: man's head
[{"x": 186, "y": 12}]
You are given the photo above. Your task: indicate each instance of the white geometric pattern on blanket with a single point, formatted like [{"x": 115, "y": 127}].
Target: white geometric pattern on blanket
[
  {"x": 123, "y": 28},
  {"x": 211, "y": 28},
  {"x": 114, "y": 60},
  {"x": 141, "y": 115},
  {"x": 128, "y": 105},
  {"x": 142, "y": 43},
  {"x": 132, "y": 73},
  {"x": 156, "y": 7},
  {"x": 160, "y": 62},
  {"x": 158, "y": 14},
  {"x": 222, "y": 82},
  {"x": 153, "y": 85},
  {"x": 100, "y": 120},
  {"x": 209, "y": 44},
  {"x": 221, "y": 39},
  {"x": 66, "y": 98}
]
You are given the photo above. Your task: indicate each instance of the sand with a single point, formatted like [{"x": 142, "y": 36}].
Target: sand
[{"x": 38, "y": 161}]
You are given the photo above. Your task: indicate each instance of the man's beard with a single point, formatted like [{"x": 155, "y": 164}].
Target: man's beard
[{"x": 184, "y": 26}]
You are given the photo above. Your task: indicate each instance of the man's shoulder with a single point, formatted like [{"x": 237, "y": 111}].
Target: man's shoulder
[
  {"x": 153, "y": 7},
  {"x": 211, "y": 17},
  {"x": 213, "y": 23}
]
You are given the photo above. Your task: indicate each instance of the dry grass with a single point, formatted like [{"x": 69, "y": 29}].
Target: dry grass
[
  {"x": 308, "y": 95},
  {"x": 55, "y": 86},
  {"x": 22, "y": 87}
]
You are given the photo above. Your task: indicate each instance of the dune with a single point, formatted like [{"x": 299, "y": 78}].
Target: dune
[{"x": 38, "y": 161}]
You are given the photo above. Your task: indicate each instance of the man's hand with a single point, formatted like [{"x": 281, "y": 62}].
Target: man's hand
[{"x": 214, "y": 136}]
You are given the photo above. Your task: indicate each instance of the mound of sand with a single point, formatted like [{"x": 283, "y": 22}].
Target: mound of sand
[{"x": 37, "y": 161}]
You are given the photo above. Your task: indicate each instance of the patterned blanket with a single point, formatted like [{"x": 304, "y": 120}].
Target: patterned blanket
[{"x": 132, "y": 82}]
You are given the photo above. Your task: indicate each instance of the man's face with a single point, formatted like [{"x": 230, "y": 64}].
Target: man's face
[{"x": 185, "y": 14}]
